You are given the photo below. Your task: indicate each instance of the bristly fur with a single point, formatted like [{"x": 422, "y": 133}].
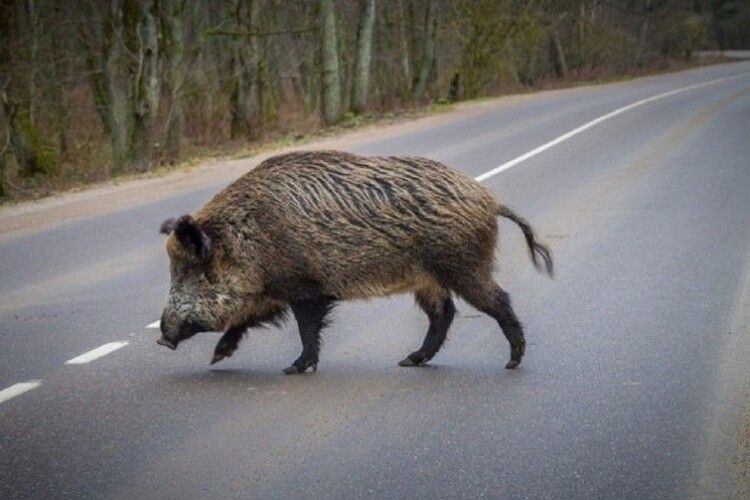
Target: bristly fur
[
  {"x": 306, "y": 229},
  {"x": 355, "y": 226}
]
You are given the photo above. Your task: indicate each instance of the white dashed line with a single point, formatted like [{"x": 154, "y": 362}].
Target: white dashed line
[
  {"x": 97, "y": 353},
  {"x": 595, "y": 121},
  {"x": 18, "y": 389},
  {"x": 155, "y": 324}
]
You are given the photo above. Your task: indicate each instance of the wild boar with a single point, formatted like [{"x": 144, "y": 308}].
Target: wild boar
[{"x": 305, "y": 230}]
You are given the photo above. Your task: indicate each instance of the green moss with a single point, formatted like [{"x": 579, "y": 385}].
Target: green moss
[
  {"x": 441, "y": 105},
  {"x": 41, "y": 158}
]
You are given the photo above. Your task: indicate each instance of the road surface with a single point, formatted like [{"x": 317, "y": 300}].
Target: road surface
[{"x": 635, "y": 382}]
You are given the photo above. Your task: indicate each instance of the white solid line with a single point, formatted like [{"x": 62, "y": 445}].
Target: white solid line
[
  {"x": 18, "y": 389},
  {"x": 155, "y": 324},
  {"x": 93, "y": 354},
  {"x": 595, "y": 121}
]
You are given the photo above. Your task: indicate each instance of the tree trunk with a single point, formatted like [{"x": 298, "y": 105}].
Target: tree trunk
[
  {"x": 56, "y": 100},
  {"x": 244, "y": 100},
  {"x": 119, "y": 89},
  {"x": 133, "y": 76},
  {"x": 2, "y": 173},
  {"x": 4, "y": 148},
  {"x": 308, "y": 81},
  {"x": 582, "y": 24},
  {"x": 428, "y": 54},
  {"x": 15, "y": 137},
  {"x": 253, "y": 104},
  {"x": 147, "y": 86},
  {"x": 32, "y": 154},
  {"x": 557, "y": 54},
  {"x": 6, "y": 139},
  {"x": 31, "y": 17},
  {"x": 454, "y": 91},
  {"x": 331, "y": 79},
  {"x": 92, "y": 42},
  {"x": 364, "y": 55},
  {"x": 643, "y": 32},
  {"x": 404, "y": 48},
  {"x": 96, "y": 67},
  {"x": 175, "y": 51}
]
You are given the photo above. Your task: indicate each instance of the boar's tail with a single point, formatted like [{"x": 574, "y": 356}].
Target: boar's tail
[{"x": 536, "y": 250}]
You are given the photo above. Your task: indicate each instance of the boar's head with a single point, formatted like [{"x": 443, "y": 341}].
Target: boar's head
[{"x": 202, "y": 296}]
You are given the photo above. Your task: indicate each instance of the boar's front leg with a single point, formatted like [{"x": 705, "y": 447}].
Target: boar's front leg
[
  {"x": 228, "y": 344},
  {"x": 310, "y": 315}
]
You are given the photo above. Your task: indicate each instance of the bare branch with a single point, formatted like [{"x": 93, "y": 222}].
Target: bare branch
[{"x": 236, "y": 33}]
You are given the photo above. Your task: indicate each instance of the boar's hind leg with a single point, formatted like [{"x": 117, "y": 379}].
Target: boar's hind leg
[
  {"x": 310, "y": 315},
  {"x": 228, "y": 344},
  {"x": 492, "y": 300},
  {"x": 440, "y": 310}
]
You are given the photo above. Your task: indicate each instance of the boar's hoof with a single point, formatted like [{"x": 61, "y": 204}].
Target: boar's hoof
[
  {"x": 222, "y": 351},
  {"x": 512, "y": 364},
  {"x": 218, "y": 356},
  {"x": 301, "y": 367},
  {"x": 413, "y": 359}
]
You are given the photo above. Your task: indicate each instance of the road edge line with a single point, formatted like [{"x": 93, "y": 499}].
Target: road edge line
[{"x": 571, "y": 133}]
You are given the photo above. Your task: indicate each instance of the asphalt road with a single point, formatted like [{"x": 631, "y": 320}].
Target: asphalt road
[{"x": 633, "y": 386}]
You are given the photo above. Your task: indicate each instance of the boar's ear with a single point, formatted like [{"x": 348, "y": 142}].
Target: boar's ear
[
  {"x": 192, "y": 236},
  {"x": 168, "y": 226}
]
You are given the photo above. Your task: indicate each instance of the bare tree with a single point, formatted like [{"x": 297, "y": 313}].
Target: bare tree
[
  {"x": 244, "y": 100},
  {"x": 147, "y": 85},
  {"x": 403, "y": 46},
  {"x": 3, "y": 154},
  {"x": 556, "y": 53},
  {"x": 30, "y": 19},
  {"x": 4, "y": 143},
  {"x": 648, "y": 7},
  {"x": 428, "y": 52},
  {"x": 364, "y": 54},
  {"x": 331, "y": 78},
  {"x": 132, "y": 72},
  {"x": 174, "y": 52},
  {"x": 57, "y": 74},
  {"x": 119, "y": 45},
  {"x": 33, "y": 154}
]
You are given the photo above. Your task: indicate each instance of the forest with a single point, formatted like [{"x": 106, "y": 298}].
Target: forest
[{"x": 95, "y": 89}]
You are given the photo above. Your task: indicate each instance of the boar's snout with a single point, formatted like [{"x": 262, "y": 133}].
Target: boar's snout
[
  {"x": 166, "y": 342},
  {"x": 166, "y": 338},
  {"x": 174, "y": 331}
]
